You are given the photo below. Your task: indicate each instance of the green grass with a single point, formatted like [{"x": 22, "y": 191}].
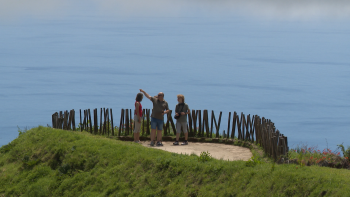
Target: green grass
[{"x": 49, "y": 162}]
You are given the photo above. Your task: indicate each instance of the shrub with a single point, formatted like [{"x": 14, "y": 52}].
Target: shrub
[
  {"x": 204, "y": 157},
  {"x": 346, "y": 153}
]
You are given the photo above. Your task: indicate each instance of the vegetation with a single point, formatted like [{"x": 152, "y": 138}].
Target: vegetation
[
  {"x": 49, "y": 162},
  {"x": 306, "y": 156}
]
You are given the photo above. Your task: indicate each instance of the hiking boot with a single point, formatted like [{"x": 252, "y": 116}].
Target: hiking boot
[
  {"x": 152, "y": 143},
  {"x": 159, "y": 144},
  {"x": 176, "y": 143},
  {"x": 184, "y": 143}
]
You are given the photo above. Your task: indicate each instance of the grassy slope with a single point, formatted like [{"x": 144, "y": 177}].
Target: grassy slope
[{"x": 49, "y": 162}]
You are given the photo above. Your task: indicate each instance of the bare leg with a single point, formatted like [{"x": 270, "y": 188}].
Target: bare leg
[
  {"x": 177, "y": 136},
  {"x": 186, "y": 136},
  {"x": 159, "y": 135},
  {"x": 135, "y": 137},
  {"x": 153, "y": 133}
]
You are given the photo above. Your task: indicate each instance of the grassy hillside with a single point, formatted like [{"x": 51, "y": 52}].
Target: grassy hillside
[{"x": 49, "y": 162}]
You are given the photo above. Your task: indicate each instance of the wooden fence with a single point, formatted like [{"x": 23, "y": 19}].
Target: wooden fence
[{"x": 244, "y": 127}]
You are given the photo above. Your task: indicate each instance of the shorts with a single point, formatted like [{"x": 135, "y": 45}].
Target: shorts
[
  {"x": 179, "y": 125},
  {"x": 156, "y": 123},
  {"x": 137, "y": 125}
]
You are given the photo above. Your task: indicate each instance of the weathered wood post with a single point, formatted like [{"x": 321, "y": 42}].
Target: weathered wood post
[
  {"x": 57, "y": 121},
  {"x": 200, "y": 123},
  {"x": 247, "y": 122},
  {"x": 54, "y": 120},
  {"x": 165, "y": 125},
  {"x": 101, "y": 122},
  {"x": 81, "y": 124},
  {"x": 84, "y": 121},
  {"x": 90, "y": 121},
  {"x": 108, "y": 128},
  {"x": 190, "y": 125},
  {"x": 60, "y": 120},
  {"x": 233, "y": 132},
  {"x": 218, "y": 127},
  {"x": 228, "y": 126},
  {"x": 172, "y": 122},
  {"x": 73, "y": 119},
  {"x": 65, "y": 121},
  {"x": 194, "y": 120},
  {"x": 207, "y": 129},
  {"x": 143, "y": 121},
  {"x": 131, "y": 127},
  {"x": 148, "y": 121},
  {"x": 95, "y": 122},
  {"x": 112, "y": 122},
  {"x": 121, "y": 125},
  {"x": 127, "y": 122},
  {"x": 251, "y": 123},
  {"x": 69, "y": 120},
  {"x": 243, "y": 123},
  {"x": 212, "y": 121}
]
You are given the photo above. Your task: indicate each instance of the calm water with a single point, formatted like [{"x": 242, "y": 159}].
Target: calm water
[{"x": 294, "y": 72}]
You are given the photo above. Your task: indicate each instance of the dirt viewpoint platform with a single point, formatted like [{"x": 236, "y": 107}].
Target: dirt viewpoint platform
[{"x": 217, "y": 151}]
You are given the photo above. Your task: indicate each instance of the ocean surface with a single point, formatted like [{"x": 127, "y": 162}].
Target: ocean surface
[{"x": 291, "y": 68}]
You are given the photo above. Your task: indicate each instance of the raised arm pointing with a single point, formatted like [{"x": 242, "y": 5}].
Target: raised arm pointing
[{"x": 145, "y": 93}]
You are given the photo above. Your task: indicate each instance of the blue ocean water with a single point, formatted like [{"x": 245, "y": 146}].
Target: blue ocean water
[{"x": 294, "y": 72}]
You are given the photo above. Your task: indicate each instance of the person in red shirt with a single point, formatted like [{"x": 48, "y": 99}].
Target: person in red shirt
[{"x": 137, "y": 117}]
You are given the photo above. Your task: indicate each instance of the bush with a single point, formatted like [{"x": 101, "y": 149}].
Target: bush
[
  {"x": 346, "y": 153},
  {"x": 204, "y": 157}
]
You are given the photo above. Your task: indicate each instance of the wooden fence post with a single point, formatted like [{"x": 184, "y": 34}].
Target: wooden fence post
[
  {"x": 143, "y": 121},
  {"x": 104, "y": 122},
  {"x": 172, "y": 122},
  {"x": 112, "y": 122},
  {"x": 190, "y": 124},
  {"x": 54, "y": 123},
  {"x": 194, "y": 120},
  {"x": 131, "y": 127},
  {"x": 211, "y": 123},
  {"x": 243, "y": 123},
  {"x": 95, "y": 122},
  {"x": 127, "y": 122},
  {"x": 69, "y": 120},
  {"x": 251, "y": 123},
  {"x": 90, "y": 122},
  {"x": 101, "y": 123},
  {"x": 228, "y": 126},
  {"x": 121, "y": 125},
  {"x": 73, "y": 119},
  {"x": 81, "y": 124},
  {"x": 65, "y": 121},
  {"x": 207, "y": 123},
  {"x": 84, "y": 121},
  {"x": 148, "y": 121},
  {"x": 247, "y": 127},
  {"x": 165, "y": 125},
  {"x": 200, "y": 123},
  {"x": 233, "y": 132},
  {"x": 218, "y": 128}
]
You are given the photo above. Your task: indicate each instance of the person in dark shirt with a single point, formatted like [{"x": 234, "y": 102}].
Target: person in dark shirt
[
  {"x": 160, "y": 107},
  {"x": 181, "y": 109}
]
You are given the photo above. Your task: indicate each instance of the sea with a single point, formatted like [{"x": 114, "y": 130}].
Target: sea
[{"x": 285, "y": 61}]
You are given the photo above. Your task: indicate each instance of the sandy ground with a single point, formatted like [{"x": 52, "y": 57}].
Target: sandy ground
[{"x": 217, "y": 151}]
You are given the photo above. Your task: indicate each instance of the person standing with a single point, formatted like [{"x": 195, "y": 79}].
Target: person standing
[
  {"x": 160, "y": 107},
  {"x": 181, "y": 109},
  {"x": 137, "y": 117}
]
